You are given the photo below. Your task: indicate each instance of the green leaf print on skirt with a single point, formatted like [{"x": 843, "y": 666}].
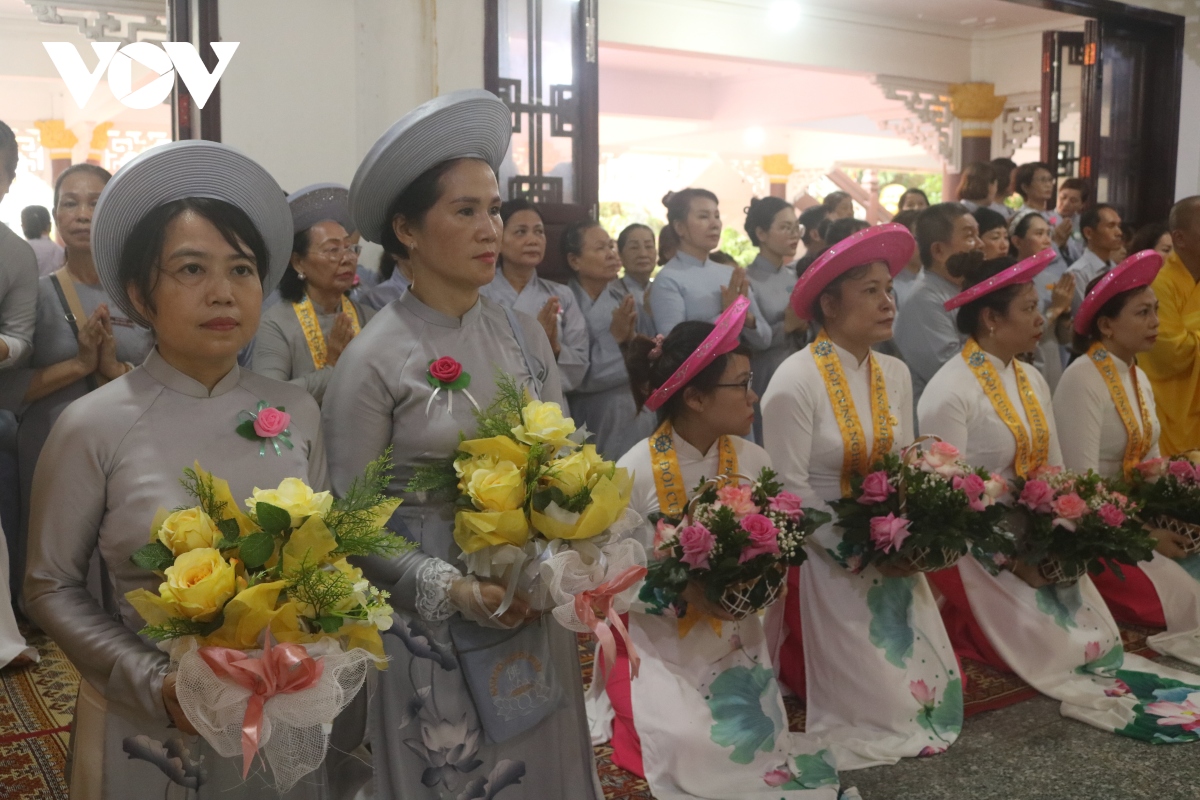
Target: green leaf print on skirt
[
  {"x": 1168, "y": 711},
  {"x": 1104, "y": 665},
  {"x": 890, "y": 604},
  {"x": 941, "y": 719},
  {"x": 812, "y": 772},
  {"x": 741, "y": 719},
  {"x": 1062, "y": 603}
]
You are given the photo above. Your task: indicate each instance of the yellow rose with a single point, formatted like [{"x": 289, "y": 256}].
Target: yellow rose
[
  {"x": 465, "y": 468},
  {"x": 544, "y": 423},
  {"x": 186, "y": 530},
  {"x": 294, "y": 497},
  {"x": 574, "y": 472},
  {"x": 498, "y": 489},
  {"x": 199, "y": 584}
]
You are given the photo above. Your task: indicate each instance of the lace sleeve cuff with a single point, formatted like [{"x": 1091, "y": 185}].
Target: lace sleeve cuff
[{"x": 433, "y": 581}]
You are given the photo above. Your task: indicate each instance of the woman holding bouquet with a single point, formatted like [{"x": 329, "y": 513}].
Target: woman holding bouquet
[
  {"x": 472, "y": 702},
  {"x": 1105, "y": 412},
  {"x": 832, "y": 411},
  {"x": 1058, "y": 637},
  {"x": 188, "y": 237},
  {"x": 705, "y": 679}
]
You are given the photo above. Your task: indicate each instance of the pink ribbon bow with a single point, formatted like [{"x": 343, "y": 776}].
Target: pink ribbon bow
[
  {"x": 281, "y": 669},
  {"x": 603, "y": 596}
]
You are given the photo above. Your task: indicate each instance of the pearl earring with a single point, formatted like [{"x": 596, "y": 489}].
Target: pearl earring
[{"x": 300, "y": 275}]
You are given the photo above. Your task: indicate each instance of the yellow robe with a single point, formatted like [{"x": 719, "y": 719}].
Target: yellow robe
[{"x": 1174, "y": 364}]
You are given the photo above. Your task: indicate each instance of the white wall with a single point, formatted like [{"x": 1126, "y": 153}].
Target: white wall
[{"x": 315, "y": 82}]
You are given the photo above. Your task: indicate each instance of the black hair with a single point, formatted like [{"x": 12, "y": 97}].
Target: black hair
[
  {"x": 1004, "y": 169},
  {"x": 414, "y": 203},
  {"x": 572, "y": 239},
  {"x": 833, "y": 200},
  {"x": 679, "y": 204},
  {"x": 811, "y": 218},
  {"x": 1079, "y": 185},
  {"x": 936, "y": 224},
  {"x": 761, "y": 213},
  {"x": 914, "y": 190},
  {"x": 973, "y": 269},
  {"x": 989, "y": 220},
  {"x": 976, "y": 180},
  {"x": 291, "y": 285},
  {"x": 623, "y": 236},
  {"x": 1147, "y": 236},
  {"x": 1026, "y": 173},
  {"x": 91, "y": 169},
  {"x": 510, "y": 207},
  {"x": 387, "y": 265},
  {"x": 668, "y": 244},
  {"x": 1111, "y": 310},
  {"x": 907, "y": 218},
  {"x": 141, "y": 256},
  {"x": 10, "y": 153},
  {"x": 35, "y": 221},
  {"x": 839, "y": 229},
  {"x": 645, "y": 376},
  {"x": 1090, "y": 218}
]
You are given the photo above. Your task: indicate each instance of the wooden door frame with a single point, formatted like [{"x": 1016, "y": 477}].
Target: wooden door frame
[{"x": 187, "y": 121}]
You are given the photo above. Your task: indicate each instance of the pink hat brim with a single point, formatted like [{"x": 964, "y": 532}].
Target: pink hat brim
[
  {"x": 723, "y": 339},
  {"x": 1021, "y": 272},
  {"x": 891, "y": 243},
  {"x": 1136, "y": 271}
]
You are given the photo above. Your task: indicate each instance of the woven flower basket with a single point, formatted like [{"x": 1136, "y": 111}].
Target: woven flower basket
[
  {"x": 1186, "y": 529},
  {"x": 1052, "y": 570},
  {"x": 736, "y": 600},
  {"x": 921, "y": 560}
]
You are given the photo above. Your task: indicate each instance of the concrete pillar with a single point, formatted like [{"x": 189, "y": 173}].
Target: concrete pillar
[
  {"x": 778, "y": 169},
  {"x": 975, "y": 106}
]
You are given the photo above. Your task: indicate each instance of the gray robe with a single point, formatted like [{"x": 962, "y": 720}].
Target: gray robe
[
  {"x": 53, "y": 341},
  {"x": 281, "y": 351},
  {"x": 113, "y": 459},
  {"x": 773, "y": 289},
  {"x": 603, "y": 401},
  {"x": 425, "y": 732},
  {"x": 18, "y": 298}
]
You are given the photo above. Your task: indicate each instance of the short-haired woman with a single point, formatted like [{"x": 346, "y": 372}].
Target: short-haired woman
[{"x": 301, "y": 338}]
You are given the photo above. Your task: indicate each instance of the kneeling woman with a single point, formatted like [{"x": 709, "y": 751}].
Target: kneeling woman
[
  {"x": 1107, "y": 422},
  {"x": 704, "y": 679},
  {"x": 1060, "y": 638},
  {"x": 187, "y": 239},
  {"x": 833, "y": 410}
]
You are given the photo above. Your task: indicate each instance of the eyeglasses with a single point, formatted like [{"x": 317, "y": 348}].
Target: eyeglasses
[
  {"x": 332, "y": 253},
  {"x": 743, "y": 385}
]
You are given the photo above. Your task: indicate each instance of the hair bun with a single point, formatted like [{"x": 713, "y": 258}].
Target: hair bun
[{"x": 666, "y": 199}]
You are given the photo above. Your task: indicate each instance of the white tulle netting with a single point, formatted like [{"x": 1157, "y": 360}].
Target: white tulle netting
[
  {"x": 295, "y": 727},
  {"x": 548, "y": 575}
]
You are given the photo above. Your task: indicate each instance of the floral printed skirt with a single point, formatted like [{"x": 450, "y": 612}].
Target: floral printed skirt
[
  {"x": 710, "y": 716},
  {"x": 1161, "y": 592}
]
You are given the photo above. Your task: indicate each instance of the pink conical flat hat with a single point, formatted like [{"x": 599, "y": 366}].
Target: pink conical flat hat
[
  {"x": 1023, "y": 271},
  {"x": 723, "y": 339},
  {"x": 1136, "y": 271},
  {"x": 891, "y": 243}
]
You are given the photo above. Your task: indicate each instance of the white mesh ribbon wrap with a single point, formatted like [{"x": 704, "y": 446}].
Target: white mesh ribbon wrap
[
  {"x": 295, "y": 726},
  {"x": 587, "y": 566}
]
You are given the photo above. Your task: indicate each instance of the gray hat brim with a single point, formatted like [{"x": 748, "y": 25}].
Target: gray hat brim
[
  {"x": 176, "y": 170},
  {"x": 320, "y": 202},
  {"x": 472, "y": 123}
]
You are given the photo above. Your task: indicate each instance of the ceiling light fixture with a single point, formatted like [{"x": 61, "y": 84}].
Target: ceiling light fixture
[{"x": 783, "y": 15}]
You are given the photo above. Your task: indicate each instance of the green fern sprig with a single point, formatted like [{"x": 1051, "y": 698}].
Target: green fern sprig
[
  {"x": 352, "y": 518},
  {"x": 176, "y": 627},
  {"x": 204, "y": 493}
]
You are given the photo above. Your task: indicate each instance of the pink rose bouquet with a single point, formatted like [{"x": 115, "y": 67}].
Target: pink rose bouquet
[
  {"x": 739, "y": 537},
  {"x": 1074, "y": 523},
  {"x": 924, "y": 509},
  {"x": 1169, "y": 491}
]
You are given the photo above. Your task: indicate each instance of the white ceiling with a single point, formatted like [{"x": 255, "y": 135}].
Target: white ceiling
[{"x": 963, "y": 18}]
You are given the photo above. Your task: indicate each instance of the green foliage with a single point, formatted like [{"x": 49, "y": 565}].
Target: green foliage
[
  {"x": 272, "y": 519},
  {"x": 735, "y": 700},
  {"x": 155, "y": 557},
  {"x": 1167, "y": 496},
  {"x": 202, "y": 490},
  {"x": 176, "y": 627},
  {"x": 229, "y": 529},
  {"x": 323, "y": 589},
  {"x": 256, "y": 549},
  {"x": 737, "y": 244},
  {"x": 352, "y": 519},
  {"x": 504, "y": 412}
]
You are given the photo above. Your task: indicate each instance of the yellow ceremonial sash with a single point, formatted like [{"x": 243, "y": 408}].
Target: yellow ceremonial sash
[
  {"x": 855, "y": 458},
  {"x": 1139, "y": 436},
  {"x": 668, "y": 480},
  {"x": 1031, "y": 453},
  {"x": 307, "y": 314}
]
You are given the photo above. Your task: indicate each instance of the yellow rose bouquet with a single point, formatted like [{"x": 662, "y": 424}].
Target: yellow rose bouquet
[
  {"x": 271, "y": 629},
  {"x": 541, "y": 512}
]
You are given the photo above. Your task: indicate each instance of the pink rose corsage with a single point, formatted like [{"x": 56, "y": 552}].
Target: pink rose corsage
[
  {"x": 266, "y": 425},
  {"x": 447, "y": 375}
]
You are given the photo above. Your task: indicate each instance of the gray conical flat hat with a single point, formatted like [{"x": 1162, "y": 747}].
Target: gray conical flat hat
[
  {"x": 319, "y": 202},
  {"x": 473, "y": 123},
  {"x": 176, "y": 170}
]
